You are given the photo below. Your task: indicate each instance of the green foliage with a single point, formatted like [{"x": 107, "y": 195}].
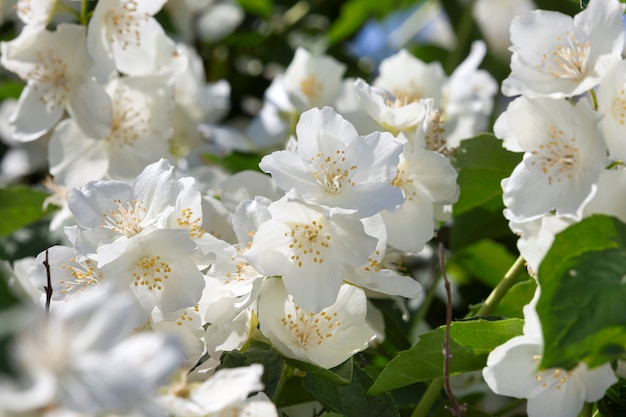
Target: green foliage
[
  {"x": 614, "y": 402},
  {"x": 486, "y": 260},
  {"x": 340, "y": 375},
  {"x": 354, "y": 13},
  {"x": 262, "y": 8},
  {"x": 482, "y": 163},
  {"x": 237, "y": 161},
  {"x": 272, "y": 365},
  {"x": 470, "y": 344},
  {"x": 583, "y": 293},
  {"x": 19, "y": 207},
  {"x": 351, "y": 400}
]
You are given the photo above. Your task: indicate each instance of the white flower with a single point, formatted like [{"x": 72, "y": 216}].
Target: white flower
[
  {"x": 312, "y": 81},
  {"x": 512, "y": 371},
  {"x": 112, "y": 212},
  {"x": 141, "y": 124},
  {"x": 409, "y": 79},
  {"x": 56, "y": 67},
  {"x": 326, "y": 338},
  {"x": 335, "y": 167},
  {"x": 70, "y": 274},
  {"x": 564, "y": 153},
  {"x": 468, "y": 97},
  {"x": 84, "y": 357},
  {"x": 310, "y": 248},
  {"x": 207, "y": 20},
  {"x": 612, "y": 105},
  {"x": 157, "y": 266},
  {"x": 494, "y": 17},
  {"x": 426, "y": 178},
  {"x": 394, "y": 111},
  {"x": 225, "y": 393},
  {"x": 557, "y": 56},
  {"x": 35, "y": 13},
  {"x": 373, "y": 276},
  {"x": 123, "y": 36}
]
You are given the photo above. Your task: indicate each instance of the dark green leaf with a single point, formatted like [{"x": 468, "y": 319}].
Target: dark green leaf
[
  {"x": 340, "y": 374},
  {"x": 19, "y": 207},
  {"x": 515, "y": 299},
  {"x": 484, "y": 222},
  {"x": 583, "y": 293},
  {"x": 614, "y": 402},
  {"x": 353, "y": 14},
  {"x": 262, "y": 8},
  {"x": 272, "y": 365},
  {"x": 470, "y": 344},
  {"x": 11, "y": 89},
  {"x": 351, "y": 400},
  {"x": 482, "y": 163},
  {"x": 485, "y": 260},
  {"x": 237, "y": 161}
]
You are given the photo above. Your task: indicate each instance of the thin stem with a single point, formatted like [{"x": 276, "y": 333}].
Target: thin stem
[
  {"x": 502, "y": 288},
  {"x": 286, "y": 373},
  {"x": 594, "y": 99},
  {"x": 435, "y": 387},
  {"x": 430, "y": 296},
  {"x": 83, "y": 12},
  {"x": 429, "y": 398},
  {"x": 48, "y": 288},
  {"x": 457, "y": 409},
  {"x": 587, "y": 410}
]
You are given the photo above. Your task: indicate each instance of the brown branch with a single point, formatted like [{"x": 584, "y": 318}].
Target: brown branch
[
  {"x": 48, "y": 288},
  {"x": 457, "y": 410}
]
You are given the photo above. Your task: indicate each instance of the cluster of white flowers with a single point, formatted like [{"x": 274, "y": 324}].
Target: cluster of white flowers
[
  {"x": 569, "y": 122},
  {"x": 167, "y": 264}
]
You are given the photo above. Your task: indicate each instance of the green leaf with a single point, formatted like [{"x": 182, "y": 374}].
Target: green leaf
[
  {"x": 272, "y": 365},
  {"x": 583, "y": 293},
  {"x": 340, "y": 374},
  {"x": 237, "y": 161},
  {"x": 20, "y": 207},
  {"x": 352, "y": 16},
  {"x": 351, "y": 400},
  {"x": 471, "y": 342},
  {"x": 486, "y": 260},
  {"x": 262, "y": 8},
  {"x": 484, "y": 222},
  {"x": 515, "y": 299},
  {"x": 614, "y": 402},
  {"x": 11, "y": 89},
  {"x": 482, "y": 163}
]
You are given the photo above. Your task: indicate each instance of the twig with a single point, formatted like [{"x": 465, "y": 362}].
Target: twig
[
  {"x": 457, "y": 410},
  {"x": 48, "y": 288}
]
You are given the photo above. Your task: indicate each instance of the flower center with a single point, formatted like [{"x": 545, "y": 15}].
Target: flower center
[
  {"x": 124, "y": 24},
  {"x": 566, "y": 61},
  {"x": 83, "y": 273},
  {"x": 330, "y": 172},
  {"x": 193, "y": 225},
  {"x": 557, "y": 379},
  {"x": 129, "y": 121},
  {"x": 311, "y": 87},
  {"x": 308, "y": 242},
  {"x": 310, "y": 329},
  {"x": 558, "y": 158},
  {"x": 125, "y": 219},
  {"x": 150, "y": 272},
  {"x": 50, "y": 77},
  {"x": 618, "y": 107}
]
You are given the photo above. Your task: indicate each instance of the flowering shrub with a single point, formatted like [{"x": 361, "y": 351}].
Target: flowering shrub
[{"x": 215, "y": 208}]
